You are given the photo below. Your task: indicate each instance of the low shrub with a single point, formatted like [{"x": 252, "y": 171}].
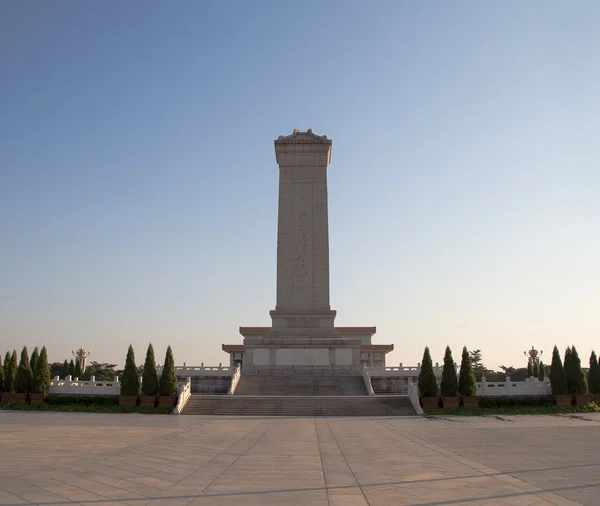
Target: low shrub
[
  {"x": 80, "y": 408},
  {"x": 82, "y": 400},
  {"x": 509, "y": 402}
]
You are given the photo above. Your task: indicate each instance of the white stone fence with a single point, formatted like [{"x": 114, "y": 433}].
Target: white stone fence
[
  {"x": 531, "y": 386},
  {"x": 367, "y": 381},
  {"x": 200, "y": 370},
  {"x": 184, "y": 392},
  {"x": 235, "y": 380},
  {"x": 74, "y": 386},
  {"x": 413, "y": 395},
  {"x": 400, "y": 370}
]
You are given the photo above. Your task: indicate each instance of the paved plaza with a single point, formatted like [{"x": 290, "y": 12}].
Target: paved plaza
[{"x": 109, "y": 459}]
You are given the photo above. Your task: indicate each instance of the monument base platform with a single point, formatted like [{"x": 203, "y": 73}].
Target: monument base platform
[{"x": 301, "y": 354}]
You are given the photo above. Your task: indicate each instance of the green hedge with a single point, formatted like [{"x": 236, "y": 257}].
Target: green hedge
[
  {"x": 509, "y": 402},
  {"x": 80, "y": 408},
  {"x": 82, "y": 400}
]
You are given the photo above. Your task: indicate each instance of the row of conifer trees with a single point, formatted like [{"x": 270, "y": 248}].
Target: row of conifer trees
[
  {"x": 32, "y": 375},
  {"x": 570, "y": 379},
  {"x": 452, "y": 384},
  {"x": 29, "y": 375},
  {"x": 151, "y": 385}
]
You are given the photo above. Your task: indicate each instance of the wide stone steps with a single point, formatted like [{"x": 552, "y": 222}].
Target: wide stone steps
[
  {"x": 393, "y": 405},
  {"x": 301, "y": 385}
]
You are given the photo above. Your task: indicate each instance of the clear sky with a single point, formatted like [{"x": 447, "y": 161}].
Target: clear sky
[{"x": 138, "y": 182}]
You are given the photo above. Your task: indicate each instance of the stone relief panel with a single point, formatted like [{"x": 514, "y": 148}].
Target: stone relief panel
[
  {"x": 303, "y": 237},
  {"x": 302, "y": 356},
  {"x": 261, "y": 356},
  {"x": 343, "y": 356},
  {"x": 305, "y": 323}
]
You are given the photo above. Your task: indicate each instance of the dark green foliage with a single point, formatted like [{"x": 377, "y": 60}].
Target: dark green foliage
[
  {"x": 529, "y": 370},
  {"x": 5, "y": 380},
  {"x": 558, "y": 381},
  {"x": 467, "y": 386},
  {"x": 594, "y": 374},
  {"x": 501, "y": 402},
  {"x": 72, "y": 369},
  {"x": 112, "y": 407},
  {"x": 65, "y": 370},
  {"x": 535, "y": 372},
  {"x": 41, "y": 374},
  {"x": 24, "y": 374},
  {"x": 1, "y": 376},
  {"x": 149, "y": 376},
  {"x": 449, "y": 386},
  {"x": 541, "y": 371},
  {"x": 427, "y": 381},
  {"x": 34, "y": 357},
  {"x": 567, "y": 366},
  {"x": 84, "y": 400},
  {"x": 129, "y": 381},
  {"x": 56, "y": 369},
  {"x": 519, "y": 374},
  {"x": 10, "y": 371},
  {"x": 101, "y": 371},
  {"x": 168, "y": 380},
  {"x": 576, "y": 382},
  {"x": 78, "y": 371},
  {"x": 477, "y": 364}
]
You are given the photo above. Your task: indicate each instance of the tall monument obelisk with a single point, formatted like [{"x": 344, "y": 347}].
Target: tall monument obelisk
[{"x": 302, "y": 333}]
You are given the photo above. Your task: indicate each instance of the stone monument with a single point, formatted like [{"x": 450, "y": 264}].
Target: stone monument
[{"x": 303, "y": 336}]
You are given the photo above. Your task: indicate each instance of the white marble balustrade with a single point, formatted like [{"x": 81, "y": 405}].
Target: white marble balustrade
[
  {"x": 531, "y": 386},
  {"x": 75, "y": 386},
  {"x": 200, "y": 370}
]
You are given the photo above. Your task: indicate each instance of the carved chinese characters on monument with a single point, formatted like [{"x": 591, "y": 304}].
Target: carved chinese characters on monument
[{"x": 302, "y": 250}]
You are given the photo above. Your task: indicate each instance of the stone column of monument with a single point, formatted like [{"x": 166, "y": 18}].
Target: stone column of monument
[{"x": 302, "y": 332}]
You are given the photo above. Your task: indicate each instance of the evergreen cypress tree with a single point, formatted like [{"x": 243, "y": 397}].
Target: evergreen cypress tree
[
  {"x": 168, "y": 380},
  {"x": 535, "y": 371},
  {"x": 568, "y": 372},
  {"x": 558, "y": 381},
  {"x": 449, "y": 386},
  {"x": 41, "y": 374},
  {"x": 24, "y": 374},
  {"x": 594, "y": 375},
  {"x": 541, "y": 371},
  {"x": 149, "y": 376},
  {"x": 1, "y": 376},
  {"x": 10, "y": 372},
  {"x": 129, "y": 381},
  {"x": 78, "y": 371},
  {"x": 34, "y": 357},
  {"x": 529, "y": 369},
  {"x": 578, "y": 382},
  {"x": 65, "y": 369},
  {"x": 72, "y": 369},
  {"x": 6, "y": 380},
  {"x": 467, "y": 385},
  {"x": 427, "y": 382}
]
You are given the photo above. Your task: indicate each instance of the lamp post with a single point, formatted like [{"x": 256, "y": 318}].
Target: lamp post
[
  {"x": 533, "y": 358},
  {"x": 80, "y": 356},
  {"x": 533, "y": 355}
]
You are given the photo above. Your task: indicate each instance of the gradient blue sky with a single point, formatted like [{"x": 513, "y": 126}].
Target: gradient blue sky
[{"x": 138, "y": 190}]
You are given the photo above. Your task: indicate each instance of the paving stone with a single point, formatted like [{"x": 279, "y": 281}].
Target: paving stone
[{"x": 56, "y": 459}]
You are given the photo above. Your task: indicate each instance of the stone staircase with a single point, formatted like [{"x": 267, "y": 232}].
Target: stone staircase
[
  {"x": 301, "y": 386},
  {"x": 240, "y": 405}
]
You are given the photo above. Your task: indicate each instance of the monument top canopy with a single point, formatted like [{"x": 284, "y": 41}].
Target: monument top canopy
[{"x": 299, "y": 137}]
